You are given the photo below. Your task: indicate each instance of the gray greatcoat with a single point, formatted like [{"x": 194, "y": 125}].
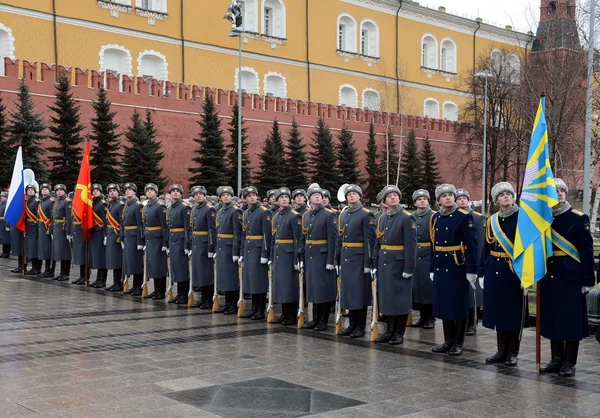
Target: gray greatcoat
[
  {"x": 156, "y": 237},
  {"x": 229, "y": 236},
  {"x": 422, "y": 284},
  {"x": 45, "y": 228},
  {"x": 480, "y": 222},
  {"x": 16, "y": 241},
  {"x": 61, "y": 227},
  {"x": 78, "y": 244},
  {"x": 395, "y": 253},
  {"x": 4, "y": 234},
  {"x": 317, "y": 250},
  {"x": 178, "y": 220},
  {"x": 31, "y": 216},
  {"x": 112, "y": 232},
  {"x": 131, "y": 235},
  {"x": 355, "y": 246},
  {"x": 203, "y": 241},
  {"x": 256, "y": 243},
  {"x": 284, "y": 254},
  {"x": 96, "y": 250}
]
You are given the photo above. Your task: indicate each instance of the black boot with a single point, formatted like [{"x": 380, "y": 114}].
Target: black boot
[
  {"x": 183, "y": 289},
  {"x": 291, "y": 318},
  {"x": 19, "y": 268},
  {"x": 316, "y": 317},
  {"x": 389, "y": 331},
  {"x": 422, "y": 319},
  {"x": 254, "y": 308},
  {"x": 568, "y": 367},
  {"x": 49, "y": 270},
  {"x": 502, "y": 352},
  {"x": 101, "y": 279},
  {"x": 227, "y": 304},
  {"x": 65, "y": 271},
  {"x": 202, "y": 300},
  {"x": 260, "y": 311},
  {"x": 471, "y": 323},
  {"x": 117, "y": 281},
  {"x": 513, "y": 348},
  {"x": 280, "y": 318},
  {"x": 361, "y": 323},
  {"x": 160, "y": 288},
  {"x": 206, "y": 295},
  {"x": 557, "y": 352},
  {"x": 232, "y": 305},
  {"x": 352, "y": 317},
  {"x": 460, "y": 328},
  {"x": 323, "y": 317},
  {"x": 448, "y": 337},
  {"x": 5, "y": 251}
]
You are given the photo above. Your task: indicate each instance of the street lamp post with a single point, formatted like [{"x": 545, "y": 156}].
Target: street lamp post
[{"x": 485, "y": 75}]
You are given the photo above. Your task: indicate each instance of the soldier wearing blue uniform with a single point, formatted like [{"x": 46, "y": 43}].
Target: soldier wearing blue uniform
[
  {"x": 463, "y": 202},
  {"x": 284, "y": 258},
  {"x": 395, "y": 259},
  {"x": 229, "y": 238},
  {"x": 203, "y": 240},
  {"x": 354, "y": 250},
  {"x": 317, "y": 257},
  {"x": 154, "y": 216},
  {"x": 503, "y": 295},
  {"x": 45, "y": 231},
  {"x": 78, "y": 246},
  {"x": 178, "y": 221},
  {"x": 112, "y": 237},
  {"x": 563, "y": 290},
  {"x": 299, "y": 197},
  {"x": 256, "y": 249},
  {"x": 61, "y": 230},
  {"x": 4, "y": 227},
  {"x": 31, "y": 237},
  {"x": 96, "y": 250},
  {"x": 422, "y": 285},
  {"x": 453, "y": 267},
  {"x": 132, "y": 240}
]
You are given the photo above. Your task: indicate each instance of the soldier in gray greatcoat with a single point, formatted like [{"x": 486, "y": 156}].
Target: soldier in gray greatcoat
[
  {"x": 202, "y": 246},
  {"x": 132, "y": 240},
  {"x": 4, "y": 227},
  {"x": 16, "y": 243},
  {"x": 284, "y": 258},
  {"x": 78, "y": 248},
  {"x": 96, "y": 250},
  {"x": 112, "y": 237},
  {"x": 463, "y": 202},
  {"x": 300, "y": 198},
  {"x": 422, "y": 284},
  {"x": 154, "y": 216},
  {"x": 31, "y": 238},
  {"x": 272, "y": 202},
  {"x": 354, "y": 250},
  {"x": 256, "y": 249},
  {"x": 178, "y": 221},
  {"x": 45, "y": 231},
  {"x": 327, "y": 199},
  {"x": 229, "y": 238},
  {"x": 61, "y": 230},
  {"x": 395, "y": 260}
]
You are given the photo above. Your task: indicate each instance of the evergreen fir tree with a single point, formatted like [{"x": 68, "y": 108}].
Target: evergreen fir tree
[
  {"x": 232, "y": 156},
  {"x": 389, "y": 162},
  {"x": 373, "y": 168},
  {"x": 210, "y": 170},
  {"x": 431, "y": 173},
  {"x": 66, "y": 135},
  {"x": 322, "y": 159},
  {"x": 155, "y": 154},
  {"x": 26, "y": 130},
  {"x": 296, "y": 165},
  {"x": 6, "y": 156},
  {"x": 270, "y": 175},
  {"x": 410, "y": 169},
  {"x": 347, "y": 158},
  {"x": 105, "y": 146}
]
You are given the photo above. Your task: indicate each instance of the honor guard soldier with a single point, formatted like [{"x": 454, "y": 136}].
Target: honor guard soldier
[
  {"x": 178, "y": 221},
  {"x": 31, "y": 237},
  {"x": 505, "y": 304},
  {"x": 381, "y": 203},
  {"x": 355, "y": 250},
  {"x": 284, "y": 258},
  {"x": 300, "y": 198},
  {"x": 203, "y": 240},
  {"x": 326, "y": 199},
  {"x": 453, "y": 268},
  {"x": 272, "y": 202},
  {"x": 422, "y": 285},
  {"x": 112, "y": 237},
  {"x": 45, "y": 231},
  {"x": 256, "y": 250},
  {"x": 96, "y": 250},
  {"x": 61, "y": 231},
  {"x": 78, "y": 246},
  {"x": 463, "y": 202},
  {"x": 4, "y": 227},
  {"x": 569, "y": 278},
  {"x": 154, "y": 217},
  {"x": 317, "y": 257},
  {"x": 395, "y": 260},
  {"x": 132, "y": 240},
  {"x": 16, "y": 243},
  {"x": 229, "y": 236}
]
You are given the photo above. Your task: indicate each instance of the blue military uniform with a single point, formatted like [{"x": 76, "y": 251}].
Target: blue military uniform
[
  {"x": 203, "y": 242},
  {"x": 178, "y": 220},
  {"x": 422, "y": 284},
  {"x": 31, "y": 238},
  {"x": 132, "y": 242},
  {"x": 4, "y": 229},
  {"x": 112, "y": 232},
  {"x": 154, "y": 217}
]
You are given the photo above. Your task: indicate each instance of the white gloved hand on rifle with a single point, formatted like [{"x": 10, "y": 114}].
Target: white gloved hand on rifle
[
  {"x": 190, "y": 254},
  {"x": 367, "y": 270},
  {"x": 144, "y": 249},
  {"x": 431, "y": 276},
  {"x": 407, "y": 275},
  {"x": 104, "y": 241},
  {"x": 481, "y": 282},
  {"x": 123, "y": 245},
  {"x": 214, "y": 256},
  {"x": 7, "y": 228},
  {"x": 472, "y": 278},
  {"x": 140, "y": 248},
  {"x": 330, "y": 267},
  {"x": 164, "y": 249},
  {"x": 236, "y": 259},
  {"x": 264, "y": 260},
  {"x": 211, "y": 255},
  {"x": 269, "y": 263},
  {"x": 186, "y": 251},
  {"x": 586, "y": 289}
]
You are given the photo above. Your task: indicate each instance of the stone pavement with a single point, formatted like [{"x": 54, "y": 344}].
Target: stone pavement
[{"x": 68, "y": 351}]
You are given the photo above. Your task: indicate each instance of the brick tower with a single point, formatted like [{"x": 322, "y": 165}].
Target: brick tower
[{"x": 557, "y": 28}]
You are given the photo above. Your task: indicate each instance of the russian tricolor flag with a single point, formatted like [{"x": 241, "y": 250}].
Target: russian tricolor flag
[{"x": 15, "y": 205}]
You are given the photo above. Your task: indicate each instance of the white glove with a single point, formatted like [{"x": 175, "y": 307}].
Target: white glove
[
  {"x": 168, "y": 251},
  {"x": 186, "y": 251},
  {"x": 211, "y": 255},
  {"x": 431, "y": 276},
  {"x": 407, "y": 275},
  {"x": 236, "y": 258},
  {"x": 69, "y": 238},
  {"x": 190, "y": 253},
  {"x": 297, "y": 266},
  {"x": 144, "y": 249},
  {"x": 264, "y": 260},
  {"x": 373, "y": 272},
  {"x": 586, "y": 289},
  {"x": 472, "y": 278},
  {"x": 481, "y": 282},
  {"x": 140, "y": 248},
  {"x": 164, "y": 249},
  {"x": 525, "y": 291},
  {"x": 123, "y": 245},
  {"x": 214, "y": 256},
  {"x": 104, "y": 242},
  {"x": 366, "y": 270},
  {"x": 269, "y": 263},
  {"x": 329, "y": 267},
  {"x": 337, "y": 270},
  {"x": 7, "y": 228}
]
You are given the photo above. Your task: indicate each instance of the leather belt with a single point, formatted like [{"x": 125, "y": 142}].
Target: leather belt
[
  {"x": 153, "y": 228},
  {"x": 559, "y": 253},
  {"x": 449, "y": 249},
  {"x": 423, "y": 244},
  {"x": 316, "y": 241},
  {"x": 254, "y": 237},
  {"x": 177, "y": 230},
  {"x": 284, "y": 241},
  {"x": 79, "y": 223},
  {"x": 225, "y": 236},
  {"x": 60, "y": 221},
  {"x": 499, "y": 254},
  {"x": 200, "y": 232},
  {"x": 353, "y": 244},
  {"x": 393, "y": 247},
  {"x": 130, "y": 227}
]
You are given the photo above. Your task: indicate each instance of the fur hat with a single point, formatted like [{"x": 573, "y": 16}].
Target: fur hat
[
  {"x": 561, "y": 185},
  {"x": 463, "y": 192},
  {"x": 444, "y": 188},
  {"x": 503, "y": 186},
  {"x": 390, "y": 189},
  {"x": 353, "y": 188},
  {"x": 420, "y": 193},
  {"x": 283, "y": 191}
]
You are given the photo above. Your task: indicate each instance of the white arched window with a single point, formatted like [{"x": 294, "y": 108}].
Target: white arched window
[
  {"x": 250, "y": 83},
  {"x": 249, "y": 15},
  {"x": 153, "y": 64},
  {"x": 273, "y": 22},
  {"x": 371, "y": 99},
  {"x": 513, "y": 67},
  {"x": 497, "y": 61},
  {"x": 115, "y": 59},
  {"x": 431, "y": 109},
  {"x": 429, "y": 52},
  {"x": 369, "y": 38},
  {"x": 346, "y": 33},
  {"x": 450, "y": 111},
  {"x": 348, "y": 96},
  {"x": 448, "y": 56},
  {"x": 7, "y": 46},
  {"x": 154, "y": 5},
  {"x": 275, "y": 85}
]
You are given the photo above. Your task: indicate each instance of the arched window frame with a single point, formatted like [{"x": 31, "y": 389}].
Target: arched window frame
[
  {"x": 497, "y": 61},
  {"x": 283, "y": 94},
  {"x": 448, "y": 60},
  {"x": 128, "y": 63},
  {"x": 364, "y": 100},
  {"x": 348, "y": 43},
  {"x": 159, "y": 6},
  {"x": 255, "y": 88},
  {"x": 278, "y": 19},
  {"x": 372, "y": 41},
  {"x": 355, "y": 98},
  {"x": 429, "y": 58},
  {"x": 453, "y": 116},
  {"x": 513, "y": 68},
  {"x": 426, "y": 113},
  {"x": 250, "y": 15},
  {"x": 165, "y": 71}
]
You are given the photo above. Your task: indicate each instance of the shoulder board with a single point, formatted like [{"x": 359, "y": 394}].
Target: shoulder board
[
  {"x": 577, "y": 212},
  {"x": 476, "y": 213},
  {"x": 366, "y": 210},
  {"x": 103, "y": 201},
  {"x": 52, "y": 199},
  {"x": 68, "y": 199},
  {"x": 138, "y": 203},
  {"x": 329, "y": 210},
  {"x": 464, "y": 212},
  {"x": 406, "y": 212},
  {"x": 37, "y": 200},
  {"x": 236, "y": 207},
  {"x": 208, "y": 205},
  {"x": 185, "y": 204},
  {"x": 263, "y": 208},
  {"x": 294, "y": 212}
]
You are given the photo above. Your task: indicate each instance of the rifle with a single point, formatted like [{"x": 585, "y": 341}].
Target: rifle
[
  {"x": 301, "y": 298},
  {"x": 191, "y": 291},
  {"x": 375, "y": 316},
  {"x": 125, "y": 283},
  {"x": 216, "y": 293},
  {"x": 270, "y": 308},
  {"x": 170, "y": 288},
  {"x": 240, "y": 303},
  {"x": 145, "y": 284},
  {"x": 338, "y": 307}
]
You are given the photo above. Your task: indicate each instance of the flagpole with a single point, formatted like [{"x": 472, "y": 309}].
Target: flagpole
[
  {"x": 538, "y": 322},
  {"x": 86, "y": 265},
  {"x": 23, "y": 254}
]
